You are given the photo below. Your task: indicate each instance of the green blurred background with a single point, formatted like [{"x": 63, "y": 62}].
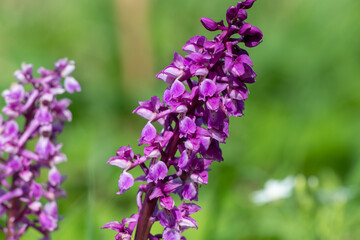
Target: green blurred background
[{"x": 302, "y": 117}]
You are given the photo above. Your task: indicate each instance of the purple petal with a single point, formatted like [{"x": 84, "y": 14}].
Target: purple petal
[
  {"x": 54, "y": 177},
  {"x": 19, "y": 75},
  {"x": 48, "y": 218},
  {"x": 25, "y": 74},
  {"x": 158, "y": 171},
  {"x": 204, "y": 144},
  {"x": 189, "y": 191},
  {"x": 170, "y": 187},
  {"x": 44, "y": 148},
  {"x": 190, "y": 48},
  {"x": 198, "y": 57},
  {"x": 187, "y": 126},
  {"x": 240, "y": 93},
  {"x": 148, "y": 109},
  {"x": 11, "y": 129},
  {"x": 189, "y": 208},
  {"x": 68, "y": 69},
  {"x": 235, "y": 107},
  {"x": 145, "y": 113},
  {"x": 47, "y": 222},
  {"x": 155, "y": 102},
  {"x": 213, "y": 103},
  {"x": 152, "y": 152},
  {"x": 228, "y": 63},
  {"x": 178, "y": 60},
  {"x": 116, "y": 226},
  {"x": 26, "y": 175},
  {"x": 165, "y": 77},
  {"x": 171, "y": 234},
  {"x": 167, "y": 202},
  {"x": 15, "y": 94},
  {"x": 71, "y": 85},
  {"x": 214, "y": 152},
  {"x": 201, "y": 177},
  {"x": 183, "y": 160},
  {"x": 15, "y": 164},
  {"x": 237, "y": 69},
  {"x": 61, "y": 64},
  {"x": 59, "y": 158},
  {"x": 119, "y": 162},
  {"x": 218, "y": 47},
  {"x": 244, "y": 28},
  {"x": 43, "y": 116},
  {"x": 157, "y": 192},
  {"x": 249, "y": 76},
  {"x": 167, "y": 96},
  {"x": 188, "y": 222},
  {"x": 166, "y": 218},
  {"x": 35, "y": 206},
  {"x": 148, "y": 133},
  {"x": 199, "y": 71},
  {"x": 207, "y": 88},
  {"x": 244, "y": 58},
  {"x": 194, "y": 44},
  {"x": 192, "y": 144},
  {"x": 36, "y": 190},
  {"x": 51, "y": 209},
  {"x": 60, "y": 108},
  {"x": 169, "y": 74},
  {"x": 177, "y": 89},
  {"x": 126, "y": 181},
  {"x": 125, "y": 152},
  {"x": 11, "y": 112},
  {"x": 181, "y": 109}
]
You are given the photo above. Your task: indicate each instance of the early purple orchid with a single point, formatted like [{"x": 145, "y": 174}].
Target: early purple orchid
[
  {"x": 22, "y": 198},
  {"x": 206, "y": 87}
]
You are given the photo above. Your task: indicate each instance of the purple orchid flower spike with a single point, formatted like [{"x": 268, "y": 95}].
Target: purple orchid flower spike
[
  {"x": 206, "y": 87},
  {"x": 25, "y": 202}
]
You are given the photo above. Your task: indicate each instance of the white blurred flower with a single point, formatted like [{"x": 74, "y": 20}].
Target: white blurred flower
[{"x": 274, "y": 190}]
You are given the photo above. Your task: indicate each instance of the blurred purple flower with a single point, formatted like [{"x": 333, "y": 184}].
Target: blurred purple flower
[{"x": 21, "y": 197}]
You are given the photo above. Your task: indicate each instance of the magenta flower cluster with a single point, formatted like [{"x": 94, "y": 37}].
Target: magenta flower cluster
[
  {"x": 34, "y": 118},
  {"x": 206, "y": 87}
]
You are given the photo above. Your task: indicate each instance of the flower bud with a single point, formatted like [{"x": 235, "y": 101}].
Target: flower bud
[{"x": 209, "y": 24}]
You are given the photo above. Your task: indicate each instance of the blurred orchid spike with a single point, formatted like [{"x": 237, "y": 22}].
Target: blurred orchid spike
[
  {"x": 206, "y": 87},
  {"x": 22, "y": 198}
]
